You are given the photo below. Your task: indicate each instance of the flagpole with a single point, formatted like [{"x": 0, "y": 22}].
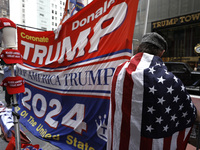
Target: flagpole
[
  {"x": 146, "y": 18},
  {"x": 16, "y": 117}
]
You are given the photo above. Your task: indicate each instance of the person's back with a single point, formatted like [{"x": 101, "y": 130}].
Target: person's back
[{"x": 150, "y": 107}]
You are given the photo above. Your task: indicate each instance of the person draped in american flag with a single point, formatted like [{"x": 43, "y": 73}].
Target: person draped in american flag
[{"x": 150, "y": 107}]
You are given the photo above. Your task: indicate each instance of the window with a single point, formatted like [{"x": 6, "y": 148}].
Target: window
[{"x": 181, "y": 40}]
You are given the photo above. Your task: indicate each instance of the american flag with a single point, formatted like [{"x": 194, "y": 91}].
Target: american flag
[
  {"x": 75, "y": 6},
  {"x": 150, "y": 107}
]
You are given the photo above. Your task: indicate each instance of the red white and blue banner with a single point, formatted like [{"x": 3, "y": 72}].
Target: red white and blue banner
[
  {"x": 75, "y": 6},
  {"x": 68, "y": 74}
]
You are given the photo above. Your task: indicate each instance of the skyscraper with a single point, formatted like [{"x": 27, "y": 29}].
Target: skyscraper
[
  {"x": 40, "y": 14},
  {"x": 4, "y": 8}
]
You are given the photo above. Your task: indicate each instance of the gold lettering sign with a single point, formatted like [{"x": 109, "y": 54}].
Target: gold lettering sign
[{"x": 176, "y": 21}]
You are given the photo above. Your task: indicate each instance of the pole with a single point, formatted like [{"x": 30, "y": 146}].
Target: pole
[
  {"x": 146, "y": 18},
  {"x": 29, "y": 27},
  {"x": 16, "y": 117}
]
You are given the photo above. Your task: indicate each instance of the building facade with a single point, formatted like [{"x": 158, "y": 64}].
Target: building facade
[
  {"x": 176, "y": 20},
  {"x": 4, "y": 8},
  {"x": 38, "y": 14}
]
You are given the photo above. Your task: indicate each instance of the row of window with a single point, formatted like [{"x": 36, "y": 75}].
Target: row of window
[
  {"x": 56, "y": 5},
  {"x": 54, "y": 12}
]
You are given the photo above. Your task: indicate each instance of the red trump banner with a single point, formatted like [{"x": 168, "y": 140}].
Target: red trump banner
[{"x": 68, "y": 74}]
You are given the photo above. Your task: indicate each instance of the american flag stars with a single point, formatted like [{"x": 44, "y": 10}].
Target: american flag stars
[
  {"x": 170, "y": 90},
  {"x": 175, "y": 79},
  {"x": 151, "y": 110},
  {"x": 161, "y": 80},
  {"x": 151, "y": 70},
  {"x": 161, "y": 100},
  {"x": 159, "y": 120},
  {"x": 152, "y": 90},
  {"x": 168, "y": 109},
  {"x": 149, "y": 128},
  {"x": 176, "y": 99},
  {"x": 165, "y": 104},
  {"x": 154, "y": 111}
]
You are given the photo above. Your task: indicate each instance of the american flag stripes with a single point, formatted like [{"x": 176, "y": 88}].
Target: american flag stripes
[{"x": 150, "y": 108}]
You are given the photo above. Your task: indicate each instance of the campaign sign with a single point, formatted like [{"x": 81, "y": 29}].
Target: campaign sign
[{"x": 68, "y": 74}]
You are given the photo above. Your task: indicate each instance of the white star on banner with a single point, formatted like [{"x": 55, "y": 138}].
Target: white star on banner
[
  {"x": 176, "y": 99},
  {"x": 165, "y": 128},
  {"x": 161, "y": 80},
  {"x": 151, "y": 70},
  {"x": 151, "y": 110},
  {"x": 183, "y": 88},
  {"x": 158, "y": 64},
  {"x": 173, "y": 118},
  {"x": 177, "y": 124},
  {"x": 191, "y": 104},
  {"x": 159, "y": 120},
  {"x": 184, "y": 114},
  {"x": 176, "y": 79},
  {"x": 167, "y": 110},
  {"x": 149, "y": 128},
  {"x": 188, "y": 121},
  {"x": 161, "y": 100},
  {"x": 170, "y": 90},
  {"x": 152, "y": 90},
  {"x": 166, "y": 72},
  {"x": 181, "y": 107}
]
